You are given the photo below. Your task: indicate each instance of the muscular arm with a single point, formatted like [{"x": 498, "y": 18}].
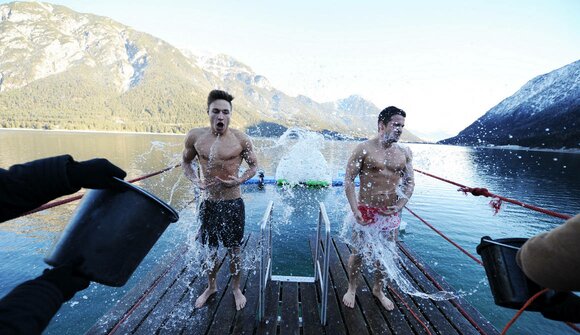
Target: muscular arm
[
  {"x": 249, "y": 156},
  {"x": 353, "y": 168},
  {"x": 189, "y": 155},
  {"x": 408, "y": 180}
]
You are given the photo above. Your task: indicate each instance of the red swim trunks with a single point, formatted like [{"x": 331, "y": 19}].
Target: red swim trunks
[{"x": 373, "y": 216}]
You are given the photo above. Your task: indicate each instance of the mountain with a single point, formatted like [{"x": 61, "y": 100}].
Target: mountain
[
  {"x": 60, "y": 69},
  {"x": 545, "y": 112}
]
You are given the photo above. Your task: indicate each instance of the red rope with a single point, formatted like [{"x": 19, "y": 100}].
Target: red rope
[
  {"x": 497, "y": 199},
  {"x": 146, "y": 293},
  {"x": 534, "y": 297},
  {"x": 154, "y": 173},
  {"x": 571, "y": 325},
  {"x": 409, "y": 308},
  {"x": 53, "y": 204},
  {"x": 445, "y": 237},
  {"x": 439, "y": 287},
  {"x": 77, "y": 197}
]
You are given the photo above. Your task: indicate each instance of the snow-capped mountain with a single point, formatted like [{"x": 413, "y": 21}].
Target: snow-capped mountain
[
  {"x": 63, "y": 69},
  {"x": 545, "y": 112},
  {"x": 39, "y": 40}
]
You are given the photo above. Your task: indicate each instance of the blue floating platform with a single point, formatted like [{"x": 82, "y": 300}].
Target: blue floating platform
[{"x": 273, "y": 181}]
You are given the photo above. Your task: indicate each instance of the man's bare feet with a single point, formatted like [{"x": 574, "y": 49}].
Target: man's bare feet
[
  {"x": 386, "y": 302},
  {"x": 240, "y": 299},
  {"x": 349, "y": 298},
  {"x": 204, "y": 296}
]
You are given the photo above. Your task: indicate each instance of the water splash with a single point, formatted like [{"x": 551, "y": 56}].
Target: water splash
[
  {"x": 213, "y": 153},
  {"x": 381, "y": 252},
  {"x": 304, "y": 162},
  {"x": 167, "y": 186}
]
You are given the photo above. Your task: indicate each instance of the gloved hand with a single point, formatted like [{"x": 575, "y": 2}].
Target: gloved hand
[
  {"x": 94, "y": 173},
  {"x": 66, "y": 279},
  {"x": 562, "y": 306}
]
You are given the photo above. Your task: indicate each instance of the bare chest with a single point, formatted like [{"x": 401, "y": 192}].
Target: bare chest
[
  {"x": 218, "y": 149},
  {"x": 385, "y": 161}
]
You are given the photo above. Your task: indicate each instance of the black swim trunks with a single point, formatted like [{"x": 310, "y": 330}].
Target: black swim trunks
[{"x": 222, "y": 220}]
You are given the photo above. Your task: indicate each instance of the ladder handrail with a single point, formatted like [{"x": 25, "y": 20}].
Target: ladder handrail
[
  {"x": 265, "y": 257},
  {"x": 321, "y": 273}
]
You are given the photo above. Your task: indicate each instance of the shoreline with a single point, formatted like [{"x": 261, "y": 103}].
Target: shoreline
[
  {"x": 502, "y": 147},
  {"x": 517, "y": 147},
  {"x": 93, "y": 131}
]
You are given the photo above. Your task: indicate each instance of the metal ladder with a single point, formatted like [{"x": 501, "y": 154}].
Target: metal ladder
[{"x": 320, "y": 271}]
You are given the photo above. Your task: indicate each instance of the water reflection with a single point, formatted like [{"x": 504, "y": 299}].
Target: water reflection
[{"x": 295, "y": 222}]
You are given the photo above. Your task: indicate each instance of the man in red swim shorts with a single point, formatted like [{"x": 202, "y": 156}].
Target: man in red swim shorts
[{"x": 382, "y": 165}]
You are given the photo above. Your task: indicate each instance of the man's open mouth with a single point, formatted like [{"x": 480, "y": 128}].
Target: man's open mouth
[{"x": 220, "y": 125}]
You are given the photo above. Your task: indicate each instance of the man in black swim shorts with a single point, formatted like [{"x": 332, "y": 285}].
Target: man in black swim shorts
[
  {"x": 220, "y": 151},
  {"x": 224, "y": 221}
]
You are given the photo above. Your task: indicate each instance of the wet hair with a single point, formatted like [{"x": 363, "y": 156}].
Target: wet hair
[
  {"x": 387, "y": 113},
  {"x": 218, "y": 95}
]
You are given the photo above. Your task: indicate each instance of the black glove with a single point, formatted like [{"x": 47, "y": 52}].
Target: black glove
[
  {"x": 563, "y": 306},
  {"x": 94, "y": 173},
  {"x": 66, "y": 279}
]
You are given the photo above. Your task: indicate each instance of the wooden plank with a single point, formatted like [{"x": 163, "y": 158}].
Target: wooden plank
[
  {"x": 435, "y": 317},
  {"x": 404, "y": 303},
  {"x": 269, "y": 324},
  {"x": 413, "y": 314},
  {"x": 202, "y": 318},
  {"x": 168, "y": 302},
  {"x": 246, "y": 319},
  {"x": 483, "y": 324},
  {"x": 380, "y": 320},
  {"x": 405, "y": 306},
  {"x": 137, "y": 315},
  {"x": 310, "y": 310},
  {"x": 108, "y": 321},
  {"x": 226, "y": 313},
  {"x": 170, "y": 292},
  {"x": 289, "y": 323},
  {"x": 450, "y": 311},
  {"x": 335, "y": 322},
  {"x": 356, "y": 318},
  {"x": 185, "y": 312}
]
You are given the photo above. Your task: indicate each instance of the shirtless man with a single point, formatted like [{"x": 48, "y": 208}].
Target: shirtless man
[
  {"x": 382, "y": 165},
  {"x": 220, "y": 151}
]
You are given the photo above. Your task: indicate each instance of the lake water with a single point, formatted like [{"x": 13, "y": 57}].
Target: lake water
[{"x": 545, "y": 179}]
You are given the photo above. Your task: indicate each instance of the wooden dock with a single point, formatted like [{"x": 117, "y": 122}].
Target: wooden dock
[{"x": 163, "y": 304}]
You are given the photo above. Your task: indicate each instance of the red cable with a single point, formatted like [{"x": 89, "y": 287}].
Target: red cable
[
  {"x": 146, "y": 293},
  {"x": 154, "y": 173},
  {"x": 409, "y": 308},
  {"x": 483, "y": 191},
  {"x": 77, "y": 197},
  {"x": 474, "y": 191},
  {"x": 439, "y": 287},
  {"x": 445, "y": 237},
  {"x": 53, "y": 204},
  {"x": 571, "y": 325},
  {"x": 534, "y": 297}
]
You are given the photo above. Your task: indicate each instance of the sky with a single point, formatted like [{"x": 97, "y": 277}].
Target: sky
[{"x": 444, "y": 62}]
